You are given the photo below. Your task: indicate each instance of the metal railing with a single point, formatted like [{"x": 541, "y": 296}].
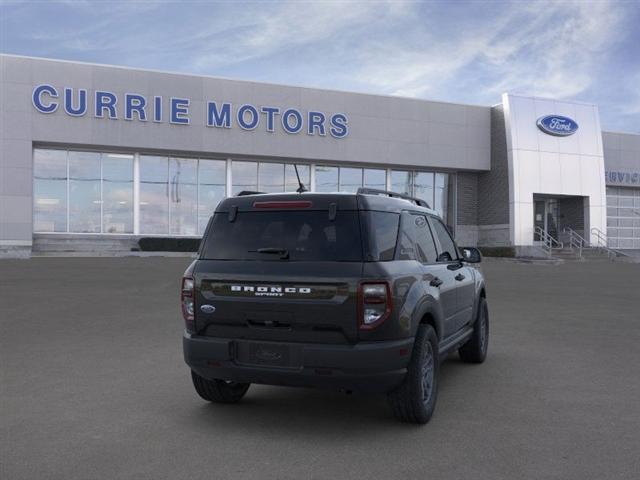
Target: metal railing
[
  {"x": 549, "y": 243},
  {"x": 576, "y": 241},
  {"x": 603, "y": 245}
]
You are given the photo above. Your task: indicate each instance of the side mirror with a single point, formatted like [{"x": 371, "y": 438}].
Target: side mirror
[{"x": 471, "y": 255}]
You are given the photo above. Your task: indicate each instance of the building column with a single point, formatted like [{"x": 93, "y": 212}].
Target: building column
[
  {"x": 136, "y": 194},
  {"x": 312, "y": 177},
  {"x": 229, "y": 179}
]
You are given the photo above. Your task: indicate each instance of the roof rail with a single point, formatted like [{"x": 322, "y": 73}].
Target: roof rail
[
  {"x": 249, "y": 192},
  {"x": 375, "y": 191}
]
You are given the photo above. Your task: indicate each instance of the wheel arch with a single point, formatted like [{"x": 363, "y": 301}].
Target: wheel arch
[
  {"x": 482, "y": 295},
  {"x": 428, "y": 318}
]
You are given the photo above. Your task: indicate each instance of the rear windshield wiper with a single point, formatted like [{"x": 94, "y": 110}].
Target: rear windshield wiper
[{"x": 283, "y": 252}]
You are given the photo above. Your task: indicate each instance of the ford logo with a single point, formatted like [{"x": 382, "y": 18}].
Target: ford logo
[
  {"x": 208, "y": 308},
  {"x": 557, "y": 125},
  {"x": 268, "y": 355}
]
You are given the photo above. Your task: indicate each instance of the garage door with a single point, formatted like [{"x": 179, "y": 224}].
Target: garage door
[{"x": 623, "y": 217}]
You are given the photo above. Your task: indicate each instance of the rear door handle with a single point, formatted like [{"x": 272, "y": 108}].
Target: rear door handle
[
  {"x": 459, "y": 277},
  {"x": 436, "y": 282}
]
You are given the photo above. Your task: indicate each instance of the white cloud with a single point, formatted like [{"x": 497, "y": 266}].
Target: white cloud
[
  {"x": 545, "y": 49},
  {"x": 564, "y": 51},
  {"x": 261, "y": 32}
]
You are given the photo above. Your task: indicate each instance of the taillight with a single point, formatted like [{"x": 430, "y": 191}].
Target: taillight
[
  {"x": 187, "y": 302},
  {"x": 375, "y": 304}
]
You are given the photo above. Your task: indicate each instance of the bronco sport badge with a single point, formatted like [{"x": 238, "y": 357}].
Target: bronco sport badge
[{"x": 269, "y": 291}]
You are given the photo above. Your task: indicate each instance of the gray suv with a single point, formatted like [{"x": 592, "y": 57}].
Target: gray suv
[{"x": 364, "y": 292}]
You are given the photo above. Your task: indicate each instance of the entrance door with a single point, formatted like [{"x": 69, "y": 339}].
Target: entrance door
[{"x": 545, "y": 216}]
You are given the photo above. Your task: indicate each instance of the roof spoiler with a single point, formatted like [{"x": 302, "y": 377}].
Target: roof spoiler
[{"x": 375, "y": 191}]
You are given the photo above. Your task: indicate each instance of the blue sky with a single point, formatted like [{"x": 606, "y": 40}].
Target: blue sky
[{"x": 454, "y": 51}]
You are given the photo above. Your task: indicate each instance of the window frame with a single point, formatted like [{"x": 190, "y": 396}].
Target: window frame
[
  {"x": 433, "y": 237},
  {"x": 412, "y": 213},
  {"x": 432, "y": 218}
]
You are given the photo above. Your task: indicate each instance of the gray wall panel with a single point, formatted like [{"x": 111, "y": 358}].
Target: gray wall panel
[
  {"x": 467, "y": 190},
  {"x": 621, "y": 158},
  {"x": 374, "y": 119},
  {"x": 493, "y": 186}
]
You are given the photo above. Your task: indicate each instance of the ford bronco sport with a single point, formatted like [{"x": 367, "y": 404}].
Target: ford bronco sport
[{"x": 364, "y": 292}]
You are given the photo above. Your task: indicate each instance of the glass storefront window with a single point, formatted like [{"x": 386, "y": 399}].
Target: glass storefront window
[
  {"x": 244, "y": 176},
  {"x": 440, "y": 194},
  {"x": 291, "y": 181},
  {"x": 350, "y": 179},
  {"x": 85, "y": 198},
  {"x": 91, "y": 192},
  {"x": 49, "y": 190},
  {"x": 271, "y": 177},
  {"x": 375, "y": 179},
  {"x": 401, "y": 182},
  {"x": 212, "y": 179},
  {"x": 326, "y": 179},
  {"x": 117, "y": 193},
  {"x": 423, "y": 186},
  {"x": 183, "y": 193},
  {"x": 154, "y": 195}
]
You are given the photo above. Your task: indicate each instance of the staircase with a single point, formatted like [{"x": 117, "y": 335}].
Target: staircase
[
  {"x": 576, "y": 247},
  {"x": 549, "y": 243}
]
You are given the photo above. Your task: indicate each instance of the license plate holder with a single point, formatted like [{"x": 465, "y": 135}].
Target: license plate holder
[{"x": 265, "y": 354}]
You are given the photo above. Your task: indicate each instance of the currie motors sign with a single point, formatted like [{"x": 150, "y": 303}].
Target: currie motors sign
[
  {"x": 132, "y": 106},
  {"x": 557, "y": 125}
]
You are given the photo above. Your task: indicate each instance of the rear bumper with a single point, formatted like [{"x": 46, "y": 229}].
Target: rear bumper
[{"x": 366, "y": 367}]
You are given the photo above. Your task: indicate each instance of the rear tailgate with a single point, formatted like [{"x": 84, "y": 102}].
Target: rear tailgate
[{"x": 287, "y": 301}]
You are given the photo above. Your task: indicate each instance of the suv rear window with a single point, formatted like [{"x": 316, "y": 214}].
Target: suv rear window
[{"x": 304, "y": 235}]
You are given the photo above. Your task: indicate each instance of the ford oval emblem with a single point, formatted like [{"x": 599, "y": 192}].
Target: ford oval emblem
[
  {"x": 208, "y": 308},
  {"x": 557, "y": 125}
]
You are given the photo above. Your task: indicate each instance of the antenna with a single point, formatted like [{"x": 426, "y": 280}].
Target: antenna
[{"x": 301, "y": 188}]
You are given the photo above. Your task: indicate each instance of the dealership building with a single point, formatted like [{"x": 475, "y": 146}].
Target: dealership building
[{"x": 95, "y": 157}]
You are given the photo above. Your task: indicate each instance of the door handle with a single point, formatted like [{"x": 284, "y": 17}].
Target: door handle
[
  {"x": 435, "y": 282},
  {"x": 459, "y": 277}
]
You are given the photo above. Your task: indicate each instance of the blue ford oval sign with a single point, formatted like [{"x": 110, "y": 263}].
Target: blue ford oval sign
[{"x": 557, "y": 125}]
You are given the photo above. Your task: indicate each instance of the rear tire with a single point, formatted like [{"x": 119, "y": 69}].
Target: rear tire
[
  {"x": 475, "y": 350},
  {"x": 414, "y": 401},
  {"x": 219, "y": 391}
]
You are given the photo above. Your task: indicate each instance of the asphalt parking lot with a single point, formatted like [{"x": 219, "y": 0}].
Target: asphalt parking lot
[{"x": 93, "y": 385}]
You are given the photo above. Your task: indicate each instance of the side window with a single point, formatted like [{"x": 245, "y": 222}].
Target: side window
[
  {"x": 448, "y": 247},
  {"x": 407, "y": 239},
  {"x": 424, "y": 240},
  {"x": 416, "y": 241},
  {"x": 381, "y": 234}
]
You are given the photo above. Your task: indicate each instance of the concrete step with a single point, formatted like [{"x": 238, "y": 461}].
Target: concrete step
[
  {"x": 588, "y": 254},
  {"x": 564, "y": 254}
]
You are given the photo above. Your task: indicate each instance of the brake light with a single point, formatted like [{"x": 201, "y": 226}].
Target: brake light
[
  {"x": 374, "y": 302},
  {"x": 283, "y": 204},
  {"x": 187, "y": 302}
]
